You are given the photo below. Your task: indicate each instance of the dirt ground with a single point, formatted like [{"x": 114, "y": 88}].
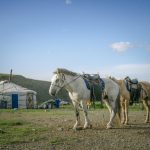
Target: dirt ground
[{"x": 60, "y": 136}]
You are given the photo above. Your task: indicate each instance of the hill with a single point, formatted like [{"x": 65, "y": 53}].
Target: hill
[{"x": 41, "y": 87}]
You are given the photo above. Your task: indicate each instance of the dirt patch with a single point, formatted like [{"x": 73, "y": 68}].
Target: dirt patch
[{"x": 60, "y": 135}]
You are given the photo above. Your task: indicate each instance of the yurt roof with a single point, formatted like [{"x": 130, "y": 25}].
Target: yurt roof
[{"x": 7, "y": 87}]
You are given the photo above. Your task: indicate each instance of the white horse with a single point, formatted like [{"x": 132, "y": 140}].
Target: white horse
[{"x": 80, "y": 94}]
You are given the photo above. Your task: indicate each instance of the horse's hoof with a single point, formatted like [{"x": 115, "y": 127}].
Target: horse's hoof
[
  {"x": 122, "y": 122},
  {"x": 146, "y": 121},
  {"x": 109, "y": 127},
  {"x": 90, "y": 126},
  {"x": 85, "y": 127},
  {"x": 74, "y": 129},
  {"x": 126, "y": 123}
]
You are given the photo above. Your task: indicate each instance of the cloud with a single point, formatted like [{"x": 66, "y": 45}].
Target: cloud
[
  {"x": 68, "y": 2},
  {"x": 121, "y": 46}
]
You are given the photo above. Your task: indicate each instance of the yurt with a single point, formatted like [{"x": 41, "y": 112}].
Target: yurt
[{"x": 15, "y": 96}]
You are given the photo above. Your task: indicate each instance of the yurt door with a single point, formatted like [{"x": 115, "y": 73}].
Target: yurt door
[{"x": 14, "y": 100}]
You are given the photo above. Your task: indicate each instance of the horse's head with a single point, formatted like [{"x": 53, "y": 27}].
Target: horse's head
[{"x": 57, "y": 82}]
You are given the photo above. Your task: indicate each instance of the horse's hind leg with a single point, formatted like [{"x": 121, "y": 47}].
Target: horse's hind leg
[
  {"x": 76, "y": 106},
  {"x": 122, "y": 110},
  {"x": 126, "y": 112},
  {"x": 112, "y": 115},
  {"x": 109, "y": 124},
  {"x": 87, "y": 121},
  {"x": 145, "y": 103}
]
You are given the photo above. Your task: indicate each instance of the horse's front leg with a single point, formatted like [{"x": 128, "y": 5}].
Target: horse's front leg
[
  {"x": 76, "y": 106},
  {"x": 87, "y": 121}
]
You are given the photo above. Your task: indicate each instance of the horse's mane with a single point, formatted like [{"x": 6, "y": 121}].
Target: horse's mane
[
  {"x": 145, "y": 83},
  {"x": 115, "y": 80},
  {"x": 65, "y": 71}
]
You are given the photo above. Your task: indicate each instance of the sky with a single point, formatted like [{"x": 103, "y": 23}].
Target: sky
[{"x": 109, "y": 37}]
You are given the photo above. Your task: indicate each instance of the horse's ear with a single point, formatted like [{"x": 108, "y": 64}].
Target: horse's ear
[
  {"x": 127, "y": 78},
  {"x": 57, "y": 71},
  {"x": 63, "y": 77}
]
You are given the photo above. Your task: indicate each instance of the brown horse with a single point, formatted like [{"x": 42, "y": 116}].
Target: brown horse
[
  {"x": 146, "y": 98},
  {"x": 125, "y": 98}
]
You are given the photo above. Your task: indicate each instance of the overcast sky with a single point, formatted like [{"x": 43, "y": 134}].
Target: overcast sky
[{"x": 111, "y": 37}]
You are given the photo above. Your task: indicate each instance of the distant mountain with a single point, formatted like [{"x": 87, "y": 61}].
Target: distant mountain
[{"x": 41, "y": 87}]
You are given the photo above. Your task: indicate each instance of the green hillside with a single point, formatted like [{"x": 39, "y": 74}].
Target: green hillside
[{"x": 41, "y": 87}]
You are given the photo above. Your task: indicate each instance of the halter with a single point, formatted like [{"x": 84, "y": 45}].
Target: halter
[{"x": 66, "y": 83}]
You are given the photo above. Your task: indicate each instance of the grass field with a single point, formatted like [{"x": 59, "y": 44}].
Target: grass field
[
  {"x": 24, "y": 128},
  {"x": 14, "y": 129}
]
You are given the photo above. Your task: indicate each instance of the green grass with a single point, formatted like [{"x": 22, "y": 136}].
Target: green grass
[
  {"x": 14, "y": 129},
  {"x": 19, "y": 131},
  {"x": 137, "y": 107},
  {"x": 10, "y": 123}
]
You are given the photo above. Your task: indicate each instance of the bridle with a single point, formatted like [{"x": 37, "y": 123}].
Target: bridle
[{"x": 61, "y": 87}]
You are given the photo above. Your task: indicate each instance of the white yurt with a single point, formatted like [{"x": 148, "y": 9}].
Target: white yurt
[{"x": 15, "y": 96}]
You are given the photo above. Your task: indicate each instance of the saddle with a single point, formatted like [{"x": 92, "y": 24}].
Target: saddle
[
  {"x": 134, "y": 87},
  {"x": 94, "y": 77},
  {"x": 96, "y": 86}
]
